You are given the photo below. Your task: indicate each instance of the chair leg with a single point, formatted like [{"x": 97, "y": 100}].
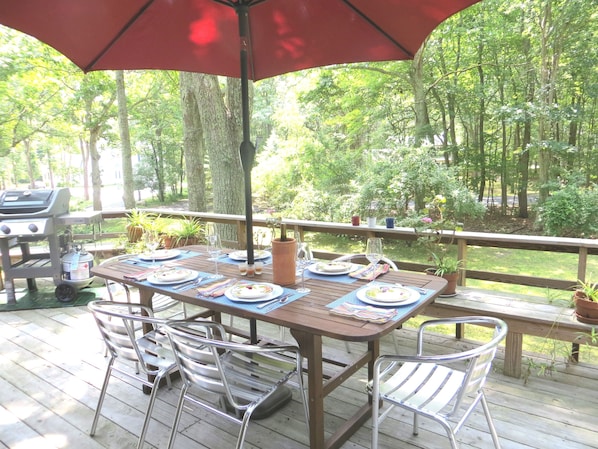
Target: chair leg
[
  {"x": 244, "y": 425},
  {"x": 148, "y": 413},
  {"x": 101, "y": 398},
  {"x": 490, "y": 422},
  {"x": 177, "y": 417}
]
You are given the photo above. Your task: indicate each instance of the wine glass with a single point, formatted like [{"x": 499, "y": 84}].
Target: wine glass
[
  {"x": 304, "y": 258},
  {"x": 214, "y": 250},
  {"x": 373, "y": 251},
  {"x": 151, "y": 240}
]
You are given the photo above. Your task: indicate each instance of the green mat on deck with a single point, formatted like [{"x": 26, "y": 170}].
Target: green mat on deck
[{"x": 45, "y": 298}]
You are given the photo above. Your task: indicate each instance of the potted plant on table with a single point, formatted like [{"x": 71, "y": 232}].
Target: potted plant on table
[
  {"x": 284, "y": 252},
  {"x": 586, "y": 302}
]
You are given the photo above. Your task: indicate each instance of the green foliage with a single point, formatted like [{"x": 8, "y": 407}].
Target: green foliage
[
  {"x": 141, "y": 218},
  {"x": 571, "y": 212}
]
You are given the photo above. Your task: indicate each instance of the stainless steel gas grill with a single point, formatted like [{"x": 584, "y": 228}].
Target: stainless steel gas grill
[{"x": 33, "y": 216}]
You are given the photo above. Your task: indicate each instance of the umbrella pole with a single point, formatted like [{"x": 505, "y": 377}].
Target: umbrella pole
[{"x": 247, "y": 148}]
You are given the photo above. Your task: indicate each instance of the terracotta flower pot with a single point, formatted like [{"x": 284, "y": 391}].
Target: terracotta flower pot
[
  {"x": 451, "y": 279},
  {"x": 134, "y": 233},
  {"x": 586, "y": 310},
  {"x": 284, "y": 261}
]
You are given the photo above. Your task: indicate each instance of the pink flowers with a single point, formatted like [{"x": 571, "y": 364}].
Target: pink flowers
[{"x": 427, "y": 220}]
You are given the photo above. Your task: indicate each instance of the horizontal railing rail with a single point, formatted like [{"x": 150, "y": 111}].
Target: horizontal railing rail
[{"x": 463, "y": 240}]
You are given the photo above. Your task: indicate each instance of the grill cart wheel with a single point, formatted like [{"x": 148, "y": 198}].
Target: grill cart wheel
[{"x": 65, "y": 292}]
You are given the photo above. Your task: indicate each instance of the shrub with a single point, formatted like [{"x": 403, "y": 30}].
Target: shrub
[{"x": 570, "y": 212}]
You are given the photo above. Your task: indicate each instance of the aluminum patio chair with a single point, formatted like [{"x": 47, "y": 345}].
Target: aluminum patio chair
[
  {"x": 361, "y": 258},
  {"x": 243, "y": 376},
  {"x": 132, "y": 351},
  {"x": 117, "y": 290},
  {"x": 445, "y": 388}
]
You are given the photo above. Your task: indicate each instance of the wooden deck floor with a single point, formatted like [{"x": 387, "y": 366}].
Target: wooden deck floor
[{"x": 52, "y": 365}]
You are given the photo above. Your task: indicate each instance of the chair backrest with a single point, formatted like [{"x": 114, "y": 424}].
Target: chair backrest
[
  {"x": 115, "y": 289},
  {"x": 119, "y": 324},
  {"x": 362, "y": 258},
  {"x": 479, "y": 359},
  {"x": 243, "y": 373}
]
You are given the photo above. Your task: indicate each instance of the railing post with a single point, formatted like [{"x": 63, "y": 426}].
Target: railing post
[
  {"x": 582, "y": 263},
  {"x": 462, "y": 255}
]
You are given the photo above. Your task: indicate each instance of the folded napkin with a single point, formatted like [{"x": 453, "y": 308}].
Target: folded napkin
[
  {"x": 370, "y": 272},
  {"x": 141, "y": 275},
  {"x": 216, "y": 289},
  {"x": 365, "y": 313}
]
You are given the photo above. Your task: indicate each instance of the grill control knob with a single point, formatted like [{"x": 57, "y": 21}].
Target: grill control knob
[
  {"x": 5, "y": 229},
  {"x": 33, "y": 227}
]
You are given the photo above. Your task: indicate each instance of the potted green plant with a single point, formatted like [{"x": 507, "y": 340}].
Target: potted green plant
[
  {"x": 187, "y": 232},
  {"x": 448, "y": 268},
  {"x": 436, "y": 235},
  {"x": 585, "y": 298},
  {"x": 137, "y": 221}
]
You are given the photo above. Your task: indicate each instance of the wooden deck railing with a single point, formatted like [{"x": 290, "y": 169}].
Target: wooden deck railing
[{"x": 463, "y": 240}]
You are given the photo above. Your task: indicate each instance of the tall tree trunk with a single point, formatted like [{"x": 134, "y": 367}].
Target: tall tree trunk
[
  {"x": 96, "y": 177},
  {"x": 481, "y": 122},
  {"x": 523, "y": 170},
  {"x": 30, "y": 161},
  {"x": 193, "y": 145},
  {"x": 222, "y": 137},
  {"x": 125, "y": 138},
  {"x": 549, "y": 57},
  {"x": 423, "y": 129},
  {"x": 84, "y": 149}
]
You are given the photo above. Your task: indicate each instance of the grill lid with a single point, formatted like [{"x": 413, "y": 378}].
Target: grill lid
[{"x": 52, "y": 202}]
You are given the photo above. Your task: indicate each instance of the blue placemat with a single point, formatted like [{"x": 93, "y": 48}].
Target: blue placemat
[
  {"x": 253, "y": 306},
  {"x": 351, "y": 298},
  {"x": 185, "y": 254}
]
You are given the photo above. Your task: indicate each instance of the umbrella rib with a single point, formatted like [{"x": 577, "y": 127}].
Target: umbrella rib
[
  {"x": 377, "y": 27},
  {"x": 122, "y": 31}
]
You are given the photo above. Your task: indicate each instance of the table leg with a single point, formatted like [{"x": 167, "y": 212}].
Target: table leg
[
  {"x": 311, "y": 349},
  {"x": 145, "y": 299}
]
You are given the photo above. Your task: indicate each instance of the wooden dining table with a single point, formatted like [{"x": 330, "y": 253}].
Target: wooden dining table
[{"x": 307, "y": 316}]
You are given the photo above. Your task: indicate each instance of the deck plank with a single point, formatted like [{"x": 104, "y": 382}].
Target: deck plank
[{"x": 52, "y": 365}]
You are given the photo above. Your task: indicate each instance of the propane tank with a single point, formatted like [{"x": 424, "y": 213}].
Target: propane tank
[{"x": 77, "y": 264}]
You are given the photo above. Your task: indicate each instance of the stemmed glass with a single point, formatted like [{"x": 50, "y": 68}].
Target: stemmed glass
[
  {"x": 151, "y": 240},
  {"x": 214, "y": 250},
  {"x": 373, "y": 251},
  {"x": 304, "y": 258}
]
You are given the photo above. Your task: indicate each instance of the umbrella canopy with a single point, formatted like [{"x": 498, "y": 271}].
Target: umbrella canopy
[{"x": 248, "y": 39}]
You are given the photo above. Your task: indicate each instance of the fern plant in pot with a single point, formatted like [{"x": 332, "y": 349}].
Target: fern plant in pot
[
  {"x": 137, "y": 222},
  {"x": 448, "y": 268}
]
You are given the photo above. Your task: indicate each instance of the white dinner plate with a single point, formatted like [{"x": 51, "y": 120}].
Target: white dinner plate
[
  {"x": 242, "y": 255},
  {"x": 332, "y": 268},
  {"x": 171, "y": 276},
  {"x": 161, "y": 254},
  {"x": 268, "y": 291},
  {"x": 387, "y": 295}
]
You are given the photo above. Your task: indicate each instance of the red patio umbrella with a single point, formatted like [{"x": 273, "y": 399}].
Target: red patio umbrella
[{"x": 248, "y": 39}]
